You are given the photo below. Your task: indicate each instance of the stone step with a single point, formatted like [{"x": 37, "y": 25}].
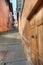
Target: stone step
[
  {"x": 14, "y": 56},
  {"x": 17, "y": 63},
  {"x": 10, "y": 41},
  {"x": 15, "y": 52},
  {"x": 10, "y": 47}
]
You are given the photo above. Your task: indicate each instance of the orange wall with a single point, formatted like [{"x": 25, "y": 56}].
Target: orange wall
[
  {"x": 4, "y": 14},
  {"x": 32, "y": 32}
]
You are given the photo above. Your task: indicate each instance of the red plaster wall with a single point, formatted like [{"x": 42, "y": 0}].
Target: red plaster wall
[{"x": 4, "y": 13}]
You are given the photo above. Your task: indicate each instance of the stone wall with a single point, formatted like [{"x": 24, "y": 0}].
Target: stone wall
[{"x": 32, "y": 30}]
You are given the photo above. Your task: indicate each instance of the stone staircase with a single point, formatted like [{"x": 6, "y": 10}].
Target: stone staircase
[{"x": 10, "y": 44}]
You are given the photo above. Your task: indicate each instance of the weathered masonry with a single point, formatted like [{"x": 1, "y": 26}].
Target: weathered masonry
[
  {"x": 31, "y": 29},
  {"x": 5, "y": 16}
]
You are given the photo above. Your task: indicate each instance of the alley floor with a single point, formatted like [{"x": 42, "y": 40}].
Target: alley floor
[{"x": 11, "y": 50}]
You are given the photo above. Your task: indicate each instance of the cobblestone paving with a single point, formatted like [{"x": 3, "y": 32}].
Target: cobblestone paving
[{"x": 12, "y": 50}]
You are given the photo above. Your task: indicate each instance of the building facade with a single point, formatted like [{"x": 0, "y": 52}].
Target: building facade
[
  {"x": 19, "y": 5},
  {"x": 31, "y": 29},
  {"x": 4, "y": 15}
]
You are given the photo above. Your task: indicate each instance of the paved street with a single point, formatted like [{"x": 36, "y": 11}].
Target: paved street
[{"x": 11, "y": 50}]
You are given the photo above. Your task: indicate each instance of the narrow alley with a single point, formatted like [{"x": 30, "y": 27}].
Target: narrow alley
[
  {"x": 21, "y": 32},
  {"x": 10, "y": 44}
]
